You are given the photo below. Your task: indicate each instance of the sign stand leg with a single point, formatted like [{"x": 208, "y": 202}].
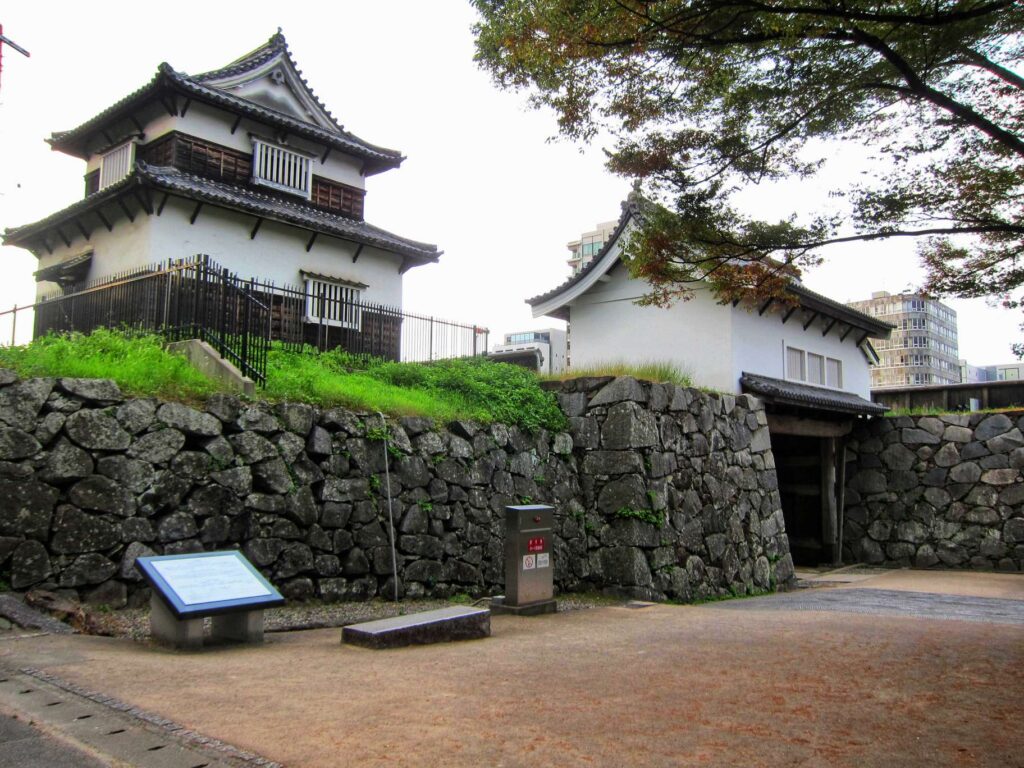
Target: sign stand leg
[
  {"x": 245, "y": 627},
  {"x": 168, "y": 629}
]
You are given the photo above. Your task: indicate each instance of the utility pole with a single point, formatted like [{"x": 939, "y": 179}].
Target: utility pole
[{"x": 11, "y": 43}]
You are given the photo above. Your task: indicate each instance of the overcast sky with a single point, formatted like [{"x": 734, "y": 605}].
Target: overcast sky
[{"x": 482, "y": 179}]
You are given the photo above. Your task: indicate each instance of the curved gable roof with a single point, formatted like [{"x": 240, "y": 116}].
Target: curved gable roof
[
  {"x": 554, "y": 302},
  {"x": 215, "y": 88}
]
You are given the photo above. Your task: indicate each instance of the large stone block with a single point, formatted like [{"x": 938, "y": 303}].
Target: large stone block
[
  {"x": 26, "y": 508},
  {"x": 157, "y": 447},
  {"x": 625, "y": 566},
  {"x": 623, "y": 388},
  {"x": 102, "y": 494},
  {"x": 992, "y": 426},
  {"x": 629, "y": 426}
]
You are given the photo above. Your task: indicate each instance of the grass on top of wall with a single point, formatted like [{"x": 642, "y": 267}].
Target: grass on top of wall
[
  {"x": 652, "y": 370},
  {"x": 472, "y": 388},
  {"x": 469, "y": 388},
  {"x": 139, "y": 364}
]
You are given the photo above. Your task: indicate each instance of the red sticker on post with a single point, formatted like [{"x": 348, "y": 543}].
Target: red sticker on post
[{"x": 535, "y": 545}]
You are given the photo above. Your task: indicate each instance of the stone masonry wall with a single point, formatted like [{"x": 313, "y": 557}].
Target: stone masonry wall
[
  {"x": 659, "y": 492},
  {"x": 937, "y": 491}
]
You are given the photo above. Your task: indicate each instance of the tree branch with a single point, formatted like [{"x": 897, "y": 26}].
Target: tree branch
[{"x": 926, "y": 92}]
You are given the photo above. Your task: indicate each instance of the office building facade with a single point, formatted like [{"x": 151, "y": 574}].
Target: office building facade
[{"x": 922, "y": 350}]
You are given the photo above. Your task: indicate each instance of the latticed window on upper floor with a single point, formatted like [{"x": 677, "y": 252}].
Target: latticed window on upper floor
[
  {"x": 116, "y": 164},
  {"x": 280, "y": 168}
]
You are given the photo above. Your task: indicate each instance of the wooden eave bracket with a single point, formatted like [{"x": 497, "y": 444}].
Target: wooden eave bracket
[
  {"x": 312, "y": 239},
  {"x": 234, "y": 127},
  {"x": 407, "y": 264},
  {"x": 127, "y": 211},
  {"x": 145, "y": 200},
  {"x": 359, "y": 250},
  {"x": 256, "y": 228},
  {"x": 788, "y": 315},
  {"x": 81, "y": 228},
  {"x": 814, "y": 316},
  {"x": 846, "y": 333},
  {"x": 829, "y": 327},
  {"x": 195, "y": 213},
  {"x": 60, "y": 233},
  {"x": 107, "y": 224},
  {"x": 764, "y": 307}
]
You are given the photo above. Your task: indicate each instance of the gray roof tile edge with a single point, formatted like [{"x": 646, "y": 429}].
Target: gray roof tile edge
[
  {"x": 798, "y": 393},
  {"x": 194, "y": 186}
]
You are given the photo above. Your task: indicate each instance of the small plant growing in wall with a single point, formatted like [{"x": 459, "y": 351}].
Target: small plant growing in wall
[
  {"x": 644, "y": 515},
  {"x": 374, "y": 485},
  {"x": 425, "y": 505},
  {"x": 381, "y": 434}
]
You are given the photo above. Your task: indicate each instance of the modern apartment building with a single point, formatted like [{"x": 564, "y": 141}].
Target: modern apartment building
[
  {"x": 922, "y": 349},
  {"x": 544, "y": 351},
  {"x": 975, "y": 374},
  {"x": 589, "y": 245}
]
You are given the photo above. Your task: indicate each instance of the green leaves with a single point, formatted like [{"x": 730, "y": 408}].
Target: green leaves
[{"x": 709, "y": 97}]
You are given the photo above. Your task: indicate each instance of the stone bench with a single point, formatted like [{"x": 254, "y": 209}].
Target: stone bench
[{"x": 439, "y": 626}]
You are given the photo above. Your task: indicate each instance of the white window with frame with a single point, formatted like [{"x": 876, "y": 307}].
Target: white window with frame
[
  {"x": 281, "y": 168},
  {"x": 813, "y": 368},
  {"x": 116, "y": 164},
  {"x": 333, "y": 302}
]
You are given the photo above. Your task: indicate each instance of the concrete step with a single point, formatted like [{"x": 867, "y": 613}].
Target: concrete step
[{"x": 443, "y": 625}]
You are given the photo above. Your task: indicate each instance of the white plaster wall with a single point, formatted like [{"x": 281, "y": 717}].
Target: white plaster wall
[
  {"x": 127, "y": 247},
  {"x": 278, "y": 252},
  {"x": 606, "y": 326},
  {"x": 759, "y": 347}
]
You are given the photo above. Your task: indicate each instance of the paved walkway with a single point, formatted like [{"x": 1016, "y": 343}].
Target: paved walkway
[
  {"x": 722, "y": 684},
  {"x": 24, "y": 746},
  {"x": 888, "y": 602}
]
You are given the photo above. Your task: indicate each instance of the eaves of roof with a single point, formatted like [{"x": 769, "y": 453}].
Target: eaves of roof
[
  {"x": 200, "y": 189},
  {"x": 167, "y": 79},
  {"x": 801, "y": 395}
]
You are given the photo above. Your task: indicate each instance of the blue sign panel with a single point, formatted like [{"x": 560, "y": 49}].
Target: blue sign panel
[{"x": 208, "y": 583}]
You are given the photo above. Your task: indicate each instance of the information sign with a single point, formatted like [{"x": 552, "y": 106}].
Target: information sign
[{"x": 208, "y": 583}]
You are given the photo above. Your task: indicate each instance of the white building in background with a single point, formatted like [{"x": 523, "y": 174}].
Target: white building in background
[
  {"x": 922, "y": 349},
  {"x": 976, "y": 374},
  {"x": 589, "y": 245},
  {"x": 542, "y": 351},
  {"x": 243, "y": 164}
]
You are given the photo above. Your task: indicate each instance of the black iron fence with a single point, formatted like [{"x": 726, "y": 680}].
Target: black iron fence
[{"x": 196, "y": 298}]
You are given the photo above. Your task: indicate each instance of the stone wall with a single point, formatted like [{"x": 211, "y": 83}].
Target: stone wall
[
  {"x": 937, "y": 491},
  {"x": 659, "y": 492}
]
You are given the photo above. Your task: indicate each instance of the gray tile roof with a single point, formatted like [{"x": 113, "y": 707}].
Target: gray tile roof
[
  {"x": 249, "y": 201},
  {"x": 168, "y": 79},
  {"x": 808, "y": 396}
]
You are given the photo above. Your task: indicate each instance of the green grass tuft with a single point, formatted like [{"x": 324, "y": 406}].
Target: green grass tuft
[
  {"x": 652, "y": 370},
  {"x": 139, "y": 364}
]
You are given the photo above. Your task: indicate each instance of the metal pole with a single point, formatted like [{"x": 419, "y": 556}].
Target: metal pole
[{"x": 14, "y": 323}]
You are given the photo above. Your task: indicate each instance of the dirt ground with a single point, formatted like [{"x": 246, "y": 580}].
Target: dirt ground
[{"x": 657, "y": 686}]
